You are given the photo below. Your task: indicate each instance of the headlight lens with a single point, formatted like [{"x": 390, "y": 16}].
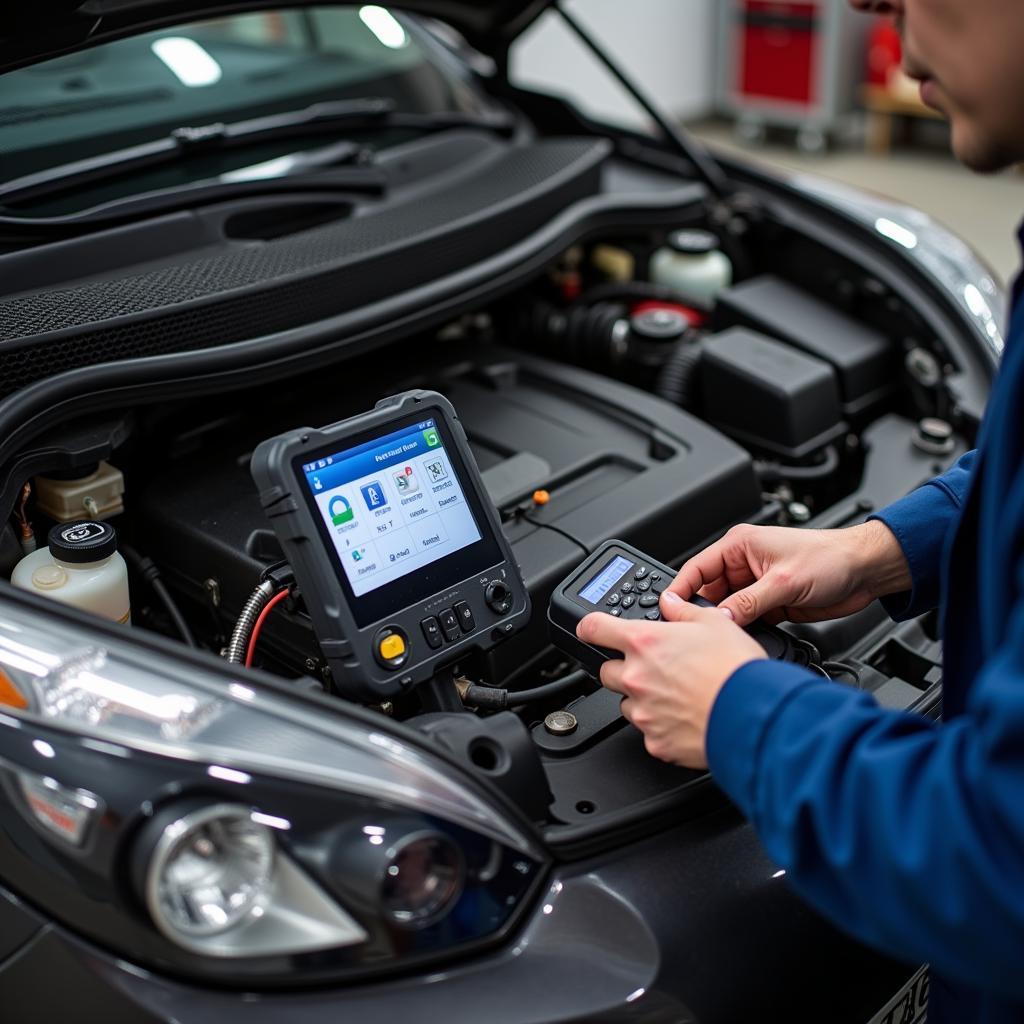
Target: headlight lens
[
  {"x": 211, "y": 870},
  {"x": 422, "y": 879},
  {"x": 261, "y": 834}
]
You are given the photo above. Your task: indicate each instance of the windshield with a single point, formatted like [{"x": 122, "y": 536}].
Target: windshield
[{"x": 139, "y": 89}]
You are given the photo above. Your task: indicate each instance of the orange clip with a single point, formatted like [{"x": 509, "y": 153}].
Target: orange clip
[{"x": 541, "y": 497}]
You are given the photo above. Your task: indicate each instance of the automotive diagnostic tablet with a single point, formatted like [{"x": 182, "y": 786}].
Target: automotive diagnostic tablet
[{"x": 395, "y": 545}]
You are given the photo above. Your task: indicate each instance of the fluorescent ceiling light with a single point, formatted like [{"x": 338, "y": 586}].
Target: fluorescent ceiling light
[
  {"x": 188, "y": 60},
  {"x": 383, "y": 24}
]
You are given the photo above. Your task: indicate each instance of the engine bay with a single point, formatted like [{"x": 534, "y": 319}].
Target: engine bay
[{"x": 597, "y": 403}]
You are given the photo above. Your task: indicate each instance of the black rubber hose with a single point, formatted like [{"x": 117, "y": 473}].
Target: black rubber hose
[
  {"x": 771, "y": 472},
  {"x": 149, "y": 571},
  {"x": 677, "y": 379},
  {"x": 590, "y": 333},
  {"x": 580, "y": 334}
]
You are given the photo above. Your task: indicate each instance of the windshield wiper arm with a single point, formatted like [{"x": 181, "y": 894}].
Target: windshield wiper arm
[{"x": 183, "y": 143}]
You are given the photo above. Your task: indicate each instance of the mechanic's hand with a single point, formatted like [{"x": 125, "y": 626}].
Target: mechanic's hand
[
  {"x": 796, "y": 575},
  {"x": 671, "y": 673}
]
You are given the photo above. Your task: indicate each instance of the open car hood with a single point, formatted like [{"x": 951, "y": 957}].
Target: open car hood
[{"x": 36, "y": 30}]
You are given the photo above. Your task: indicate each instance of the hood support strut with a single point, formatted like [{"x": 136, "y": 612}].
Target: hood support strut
[{"x": 706, "y": 167}]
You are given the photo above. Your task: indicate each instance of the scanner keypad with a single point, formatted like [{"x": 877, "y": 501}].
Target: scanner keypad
[{"x": 636, "y": 597}]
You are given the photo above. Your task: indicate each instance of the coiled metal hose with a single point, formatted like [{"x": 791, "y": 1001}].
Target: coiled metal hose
[{"x": 246, "y": 620}]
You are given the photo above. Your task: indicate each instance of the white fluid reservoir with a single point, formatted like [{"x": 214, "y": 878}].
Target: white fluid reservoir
[
  {"x": 81, "y": 567},
  {"x": 692, "y": 265}
]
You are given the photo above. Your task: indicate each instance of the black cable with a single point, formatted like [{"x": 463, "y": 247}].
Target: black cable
[
  {"x": 557, "y": 529},
  {"x": 840, "y": 672},
  {"x": 493, "y": 698},
  {"x": 172, "y": 609},
  {"x": 552, "y": 689},
  {"x": 148, "y": 570}
]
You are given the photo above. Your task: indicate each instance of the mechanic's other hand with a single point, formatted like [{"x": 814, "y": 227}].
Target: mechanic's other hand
[
  {"x": 796, "y": 575},
  {"x": 671, "y": 672}
]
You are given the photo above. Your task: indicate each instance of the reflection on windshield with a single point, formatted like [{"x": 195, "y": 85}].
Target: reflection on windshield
[{"x": 135, "y": 90}]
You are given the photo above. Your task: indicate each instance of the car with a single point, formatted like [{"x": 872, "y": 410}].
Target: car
[{"x": 235, "y": 240}]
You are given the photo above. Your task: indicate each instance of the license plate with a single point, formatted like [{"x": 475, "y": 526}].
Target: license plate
[{"x": 909, "y": 1005}]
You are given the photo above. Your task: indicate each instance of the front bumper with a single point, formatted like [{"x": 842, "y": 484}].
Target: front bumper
[{"x": 694, "y": 924}]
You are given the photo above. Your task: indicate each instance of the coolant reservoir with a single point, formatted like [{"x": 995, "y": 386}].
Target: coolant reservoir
[
  {"x": 692, "y": 265},
  {"x": 80, "y": 566}
]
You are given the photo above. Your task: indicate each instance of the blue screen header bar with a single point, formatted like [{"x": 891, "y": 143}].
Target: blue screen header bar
[{"x": 353, "y": 463}]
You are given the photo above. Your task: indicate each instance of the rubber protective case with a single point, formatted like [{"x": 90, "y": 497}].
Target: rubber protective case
[{"x": 347, "y": 647}]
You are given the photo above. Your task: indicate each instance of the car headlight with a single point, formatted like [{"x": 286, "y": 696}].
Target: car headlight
[
  {"x": 210, "y": 870},
  {"x": 187, "y": 819},
  {"x": 422, "y": 877}
]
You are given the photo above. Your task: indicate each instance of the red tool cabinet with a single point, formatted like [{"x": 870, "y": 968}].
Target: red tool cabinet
[{"x": 796, "y": 64}]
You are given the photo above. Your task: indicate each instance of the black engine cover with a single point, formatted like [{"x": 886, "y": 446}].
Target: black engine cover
[{"x": 616, "y": 462}]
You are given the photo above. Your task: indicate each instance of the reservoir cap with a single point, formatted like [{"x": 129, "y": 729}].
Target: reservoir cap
[
  {"x": 82, "y": 541},
  {"x": 693, "y": 241}
]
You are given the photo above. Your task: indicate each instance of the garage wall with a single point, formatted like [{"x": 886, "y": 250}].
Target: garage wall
[{"x": 666, "y": 44}]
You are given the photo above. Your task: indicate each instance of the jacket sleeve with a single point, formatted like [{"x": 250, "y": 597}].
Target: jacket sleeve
[
  {"x": 908, "y": 833},
  {"x": 922, "y": 523}
]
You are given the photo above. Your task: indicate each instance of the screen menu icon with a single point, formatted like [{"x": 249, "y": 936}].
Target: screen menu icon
[
  {"x": 406, "y": 482},
  {"x": 340, "y": 510},
  {"x": 373, "y": 495},
  {"x": 436, "y": 471}
]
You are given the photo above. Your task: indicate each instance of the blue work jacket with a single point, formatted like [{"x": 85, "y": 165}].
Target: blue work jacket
[{"x": 906, "y": 832}]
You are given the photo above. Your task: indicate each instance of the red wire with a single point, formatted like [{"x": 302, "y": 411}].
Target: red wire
[{"x": 275, "y": 600}]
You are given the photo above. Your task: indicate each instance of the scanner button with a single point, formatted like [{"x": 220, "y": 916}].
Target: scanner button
[
  {"x": 449, "y": 624},
  {"x": 654, "y": 577},
  {"x": 627, "y": 587},
  {"x": 613, "y": 600},
  {"x": 641, "y": 572},
  {"x": 465, "y": 614},
  {"x": 391, "y": 647},
  {"x": 617, "y": 612},
  {"x": 649, "y": 601},
  {"x": 653, "y": 615},
  {"x": 498, "y": 597},
  {"x": 643, "y": 586},
  {"x": 629, "y": 600},
  {"x": 432, "y": 632}
]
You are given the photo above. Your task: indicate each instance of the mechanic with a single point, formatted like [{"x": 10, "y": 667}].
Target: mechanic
[{"x": 907, "y": 833}]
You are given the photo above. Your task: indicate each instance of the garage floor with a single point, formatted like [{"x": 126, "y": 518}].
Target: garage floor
[{"x": 984, "y": 211}]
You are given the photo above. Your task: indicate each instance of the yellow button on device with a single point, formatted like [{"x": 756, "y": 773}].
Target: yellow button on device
[{"x": 392, "y": 647}]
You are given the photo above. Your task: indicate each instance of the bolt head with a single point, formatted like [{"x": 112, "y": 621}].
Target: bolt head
[
  {"x": 799, "y": 512},
  {"x": 560, "y": 723}
]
